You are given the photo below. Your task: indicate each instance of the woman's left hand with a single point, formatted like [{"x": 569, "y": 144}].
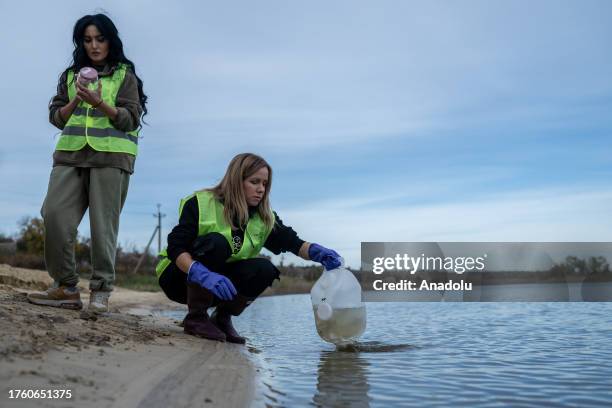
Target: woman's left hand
[
  {"x": 325, "y": 256},
  {"x": 93, "y": 98}
]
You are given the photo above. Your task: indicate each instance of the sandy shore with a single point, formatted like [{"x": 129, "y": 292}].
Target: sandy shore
[{"x": 130, "y": 358}]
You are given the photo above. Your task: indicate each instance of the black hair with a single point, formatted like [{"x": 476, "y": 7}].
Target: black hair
[{"x": 115, "y": 51}]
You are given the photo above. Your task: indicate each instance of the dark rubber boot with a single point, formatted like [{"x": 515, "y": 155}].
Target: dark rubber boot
[
  {"x": 222, "y": 317},
  {"x": 197, "y": 322}
]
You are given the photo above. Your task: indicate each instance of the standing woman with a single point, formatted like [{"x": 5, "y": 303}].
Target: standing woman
[
  {"x": 92, "y": 162},
  {"x": 212, "y": 255}
]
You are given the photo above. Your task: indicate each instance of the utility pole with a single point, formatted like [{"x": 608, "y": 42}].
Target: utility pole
[{"x": 157, "y": 231}]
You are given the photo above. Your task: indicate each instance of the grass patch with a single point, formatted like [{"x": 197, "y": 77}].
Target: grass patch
[
  {"x": 288, "y": 285},
  {"x": 144, "y": 283}
]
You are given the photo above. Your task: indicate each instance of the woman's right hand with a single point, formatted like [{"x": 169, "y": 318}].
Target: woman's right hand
[
  {"x": 77, "y": 99},
  {"x": 218, "y": 284},
  {"x": 66, "y": 110},
  {"x": 93, "y": 98}
]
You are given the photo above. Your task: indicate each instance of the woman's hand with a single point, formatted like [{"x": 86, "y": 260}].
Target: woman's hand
[
  {"x": 66, "y": 110},
  {"x": 94, "y": 98},
  {"x": 218, "y": 284},
  {"x": 327, "y": 257}
]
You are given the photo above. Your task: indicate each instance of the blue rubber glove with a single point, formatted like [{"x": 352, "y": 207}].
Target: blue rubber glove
[
  {"x": 327, "y": 257},
  {"x": 219, "y": 285}
]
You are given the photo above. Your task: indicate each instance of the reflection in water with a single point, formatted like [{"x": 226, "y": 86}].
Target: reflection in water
[
  {"x": 342, "y": 375},
  {"x": 373, "y": 347},
  {"x": 342, "y": 380}
]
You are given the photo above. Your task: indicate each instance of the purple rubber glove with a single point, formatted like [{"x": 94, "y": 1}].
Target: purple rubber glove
[
  {"x": 327, "y": 257},
  {"x": 219, "y": 285}
]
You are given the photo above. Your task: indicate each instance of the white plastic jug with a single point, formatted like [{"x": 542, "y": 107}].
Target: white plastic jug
[{"x": 340, "y": 316}]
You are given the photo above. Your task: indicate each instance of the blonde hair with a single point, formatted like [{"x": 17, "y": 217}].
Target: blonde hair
[{"x": 231, "y": 192}]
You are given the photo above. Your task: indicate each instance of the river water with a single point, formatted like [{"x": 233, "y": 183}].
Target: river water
[{"x": 436, "y": 354}]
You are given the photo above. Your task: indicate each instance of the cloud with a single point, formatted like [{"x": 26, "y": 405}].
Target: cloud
[{"x": 545, "y": 215}]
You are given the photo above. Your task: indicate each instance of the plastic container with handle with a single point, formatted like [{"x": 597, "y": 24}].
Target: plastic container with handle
[{"x": 340, "y": 315}]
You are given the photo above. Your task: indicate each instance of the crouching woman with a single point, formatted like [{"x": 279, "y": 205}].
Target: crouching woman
[{"x": 212, "y": 254}]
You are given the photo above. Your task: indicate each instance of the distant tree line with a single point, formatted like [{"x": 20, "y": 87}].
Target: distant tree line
[
  {"x": 26, "y": 250},
  {"x": 594, "y": 265}
]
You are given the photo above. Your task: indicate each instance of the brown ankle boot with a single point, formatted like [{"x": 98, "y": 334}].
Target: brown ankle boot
[
  {"x": 197, "y": 322},
  {"x": 222, "y": 317}
]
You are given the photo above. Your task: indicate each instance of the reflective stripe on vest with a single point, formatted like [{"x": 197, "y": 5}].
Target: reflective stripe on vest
[
  {"x": 89, "y": 126},
  {"x": 211, "y": 219},
  {"x": 94, "y": 113},
  {"x": 98, "y": 132}
]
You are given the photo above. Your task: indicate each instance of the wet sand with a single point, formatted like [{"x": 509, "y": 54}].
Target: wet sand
[{"x": 128, "y": 358}]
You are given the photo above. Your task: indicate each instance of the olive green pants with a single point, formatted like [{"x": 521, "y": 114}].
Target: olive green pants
[{"x": 73, "y": 190}]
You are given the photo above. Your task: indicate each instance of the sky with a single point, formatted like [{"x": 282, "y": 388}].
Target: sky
[{"x": 382, "y": 121}]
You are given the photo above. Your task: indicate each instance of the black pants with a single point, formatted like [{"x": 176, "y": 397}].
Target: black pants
[{"x": 250, "y": 277}]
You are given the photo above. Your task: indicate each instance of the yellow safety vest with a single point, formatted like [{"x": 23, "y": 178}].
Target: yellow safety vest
[
  {"x": 211, "y": 219},
  {"x": 89, "y": 126}
]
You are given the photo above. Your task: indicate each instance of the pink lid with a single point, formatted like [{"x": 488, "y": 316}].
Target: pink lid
[{"x": 88, "y": 73}]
